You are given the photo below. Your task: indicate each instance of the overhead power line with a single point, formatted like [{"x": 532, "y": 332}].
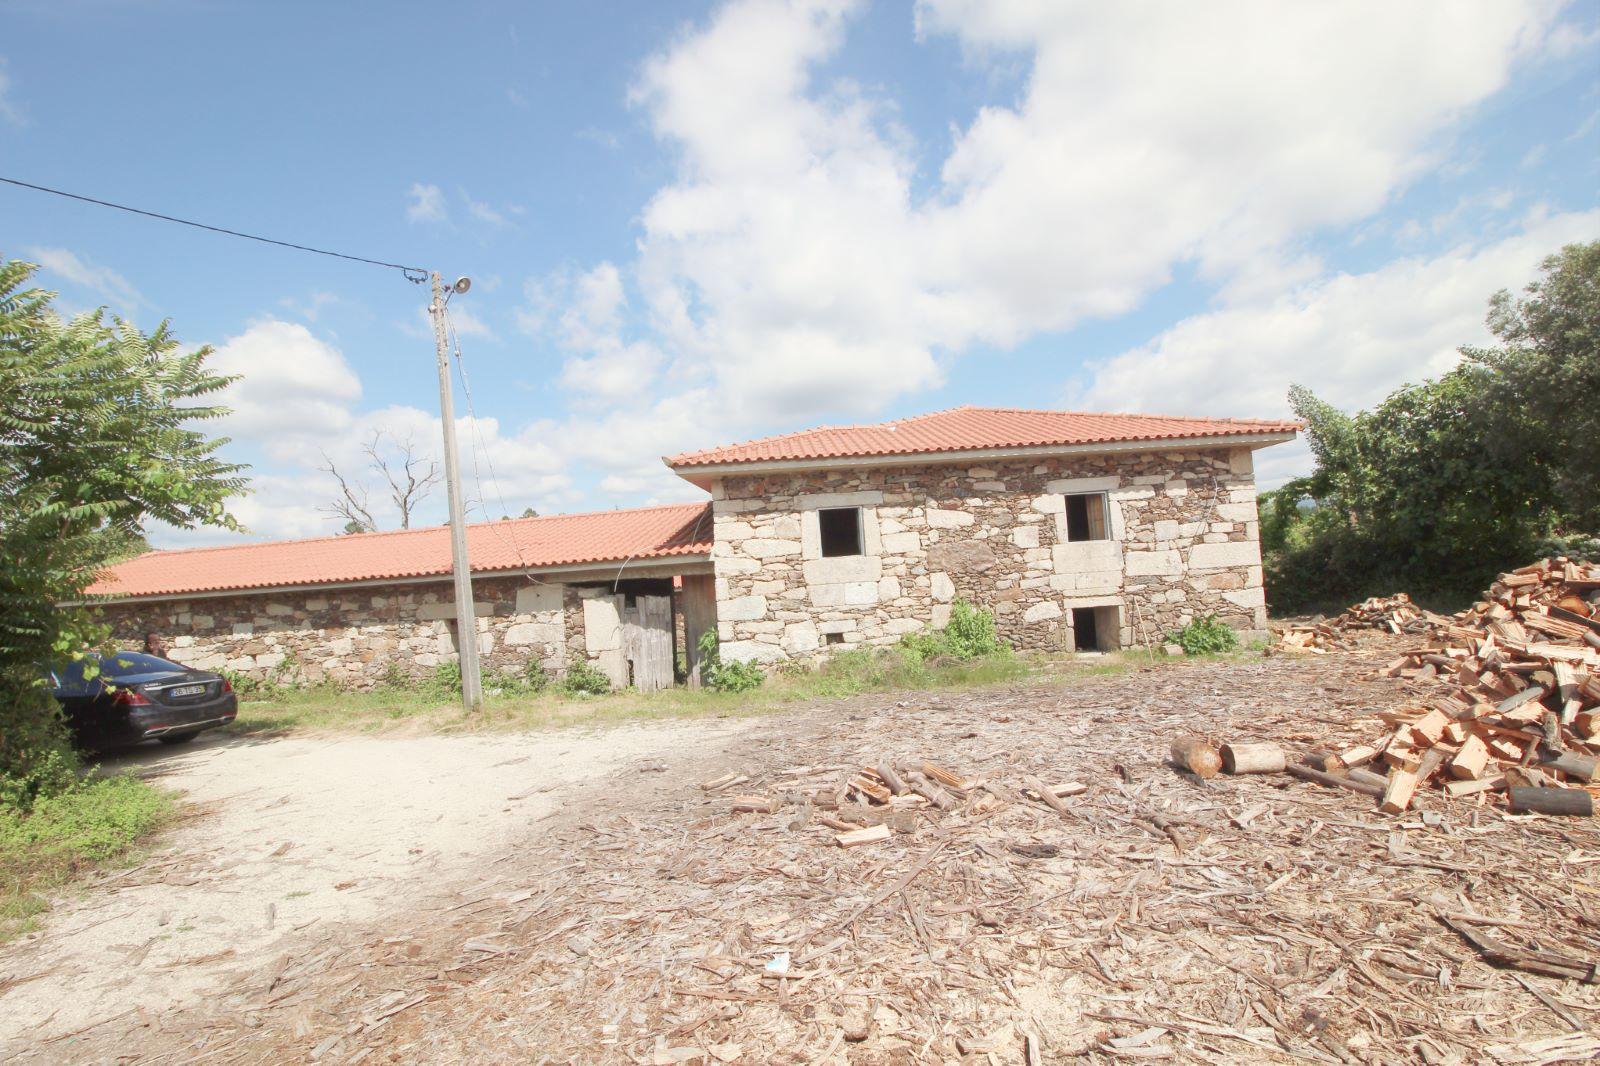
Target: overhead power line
[{"x": 412, "y": 274}]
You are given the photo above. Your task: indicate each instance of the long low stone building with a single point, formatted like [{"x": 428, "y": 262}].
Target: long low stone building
[
  {"x": 366, "y": 608},
  {"x": 1079, "y": 531}
]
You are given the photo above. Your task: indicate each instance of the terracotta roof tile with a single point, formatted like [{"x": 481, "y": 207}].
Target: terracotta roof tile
[
  {"x": 514, "y": 544},
  {"x": 968, "y": 428}
]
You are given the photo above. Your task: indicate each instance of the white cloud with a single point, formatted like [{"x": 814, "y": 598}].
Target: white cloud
[
  {"x": 427, "y": 204},
  {"x": 298, "y": 403},
  {"x": 9, "y": 110},
  {"x": 795, "y": 267},
  {"x": 294, "y": 389},
  {"x": 102, "y": 281},
  {"x": 1352, "y": 338}
]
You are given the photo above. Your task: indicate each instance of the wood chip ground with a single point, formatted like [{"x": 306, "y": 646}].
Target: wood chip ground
[{"x": 1143, "y": 914}]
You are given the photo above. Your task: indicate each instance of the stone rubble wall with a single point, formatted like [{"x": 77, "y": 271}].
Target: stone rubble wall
[
  {"x": 356, "y": 637},
  {"x": 1184, "y": 543}
]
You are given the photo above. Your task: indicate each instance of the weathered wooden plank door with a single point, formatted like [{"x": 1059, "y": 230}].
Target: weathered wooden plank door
[{"x": 647, "y": 642}]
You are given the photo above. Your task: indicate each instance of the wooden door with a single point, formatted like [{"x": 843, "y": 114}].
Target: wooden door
[{"x": 647, "y": 642}]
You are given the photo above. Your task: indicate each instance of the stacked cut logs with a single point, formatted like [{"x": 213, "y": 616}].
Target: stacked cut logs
[
  {"x": 867, "y": 805},
  {"x": 1519, "y": 710},
  {"x": 1392, "y": 614}
]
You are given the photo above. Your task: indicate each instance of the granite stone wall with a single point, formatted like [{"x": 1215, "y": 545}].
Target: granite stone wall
[
  {"x": 356, "y": 637},
  {"x": 1183, "y": 541}
]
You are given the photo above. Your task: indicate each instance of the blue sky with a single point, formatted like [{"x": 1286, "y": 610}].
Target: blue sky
[{"x": 695, "y": 223}]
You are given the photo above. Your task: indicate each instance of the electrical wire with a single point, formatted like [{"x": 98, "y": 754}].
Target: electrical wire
[{"x": 415, "y": 275}]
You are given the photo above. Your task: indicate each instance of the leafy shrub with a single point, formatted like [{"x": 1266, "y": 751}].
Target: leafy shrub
[
  {"x": 38, "y": 757},
  {"x": 93, "y": 820},
  {"x": 245, "y": 686},
  {"x": 67, "y": 829},
  {"x": 970, "y": 634},
  {"x": 1205, "y": 636},
  {"x": 585, "y": 679},
  {"x": 530, "y": 682},
  {"x": 445, "y": 682},
  {"x": 726, "y": 677}
]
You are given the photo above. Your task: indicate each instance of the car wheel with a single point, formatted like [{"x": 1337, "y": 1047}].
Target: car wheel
[{"x": 178, "y": 738}]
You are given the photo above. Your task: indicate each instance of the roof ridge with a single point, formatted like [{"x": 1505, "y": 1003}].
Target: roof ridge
[
  {"x": 346, "y": 537},
  {"x": 823, "y": 429}
]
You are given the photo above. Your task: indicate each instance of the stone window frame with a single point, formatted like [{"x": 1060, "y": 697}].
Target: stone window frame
[
  {"x": 1115, "y": 493},
  {"x": 811, "y": 530},
  {"x": 1105, "y": 516},
  {"x": 860, "y": 531}
]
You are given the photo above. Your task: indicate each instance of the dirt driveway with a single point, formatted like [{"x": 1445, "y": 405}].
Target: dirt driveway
[{"x": 284, "y": 838}]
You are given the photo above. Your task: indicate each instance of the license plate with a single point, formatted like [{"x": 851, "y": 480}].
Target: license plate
[{"x": 186, "y": 690}]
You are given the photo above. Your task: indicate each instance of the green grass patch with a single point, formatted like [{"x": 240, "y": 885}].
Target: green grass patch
[
  {"x": 92, "y": 823},
  {"x": 410, "y": 709}
]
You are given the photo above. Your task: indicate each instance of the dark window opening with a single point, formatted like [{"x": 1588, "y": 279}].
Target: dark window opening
[
  {"x": 840, "y": 528},
  {"x": 1086, "y": 516},
  {"x": 833, "y": 638},
  {"x": 1085, "y": 635}
]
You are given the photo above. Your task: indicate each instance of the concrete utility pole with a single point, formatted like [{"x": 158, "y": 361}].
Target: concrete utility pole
[{"x": 466, "y": 612}]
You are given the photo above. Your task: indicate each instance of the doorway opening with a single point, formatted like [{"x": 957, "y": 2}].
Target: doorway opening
[{"x": 1094, "y": 628}]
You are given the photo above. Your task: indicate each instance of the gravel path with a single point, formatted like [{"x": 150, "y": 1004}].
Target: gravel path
[{"x": 282, "y": 839}]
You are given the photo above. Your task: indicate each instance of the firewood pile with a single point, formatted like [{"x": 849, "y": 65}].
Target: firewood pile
[
  {"x": 878, "y": 800},
  {"x": 1391, "y": 614},
  {"x": 1519, "y": 710}
]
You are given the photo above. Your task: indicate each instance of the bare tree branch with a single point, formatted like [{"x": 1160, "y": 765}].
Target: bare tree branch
[
  {"x": 352, "y": 502},
  {"x": 410, "y": 484},
  {"x": 410, "y": 478}
]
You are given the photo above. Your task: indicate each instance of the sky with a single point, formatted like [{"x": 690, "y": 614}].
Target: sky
[{"x": 689, "y": 224}]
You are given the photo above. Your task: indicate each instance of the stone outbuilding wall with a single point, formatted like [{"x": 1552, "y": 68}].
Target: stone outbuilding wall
[
  {"x": 356, "y": 636},
  {"x": 1183, "y": 541}
]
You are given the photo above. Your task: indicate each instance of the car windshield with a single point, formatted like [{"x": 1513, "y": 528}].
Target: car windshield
[
  {"x": 121, "y": 664},
  {"x": 124, "y": 663}
]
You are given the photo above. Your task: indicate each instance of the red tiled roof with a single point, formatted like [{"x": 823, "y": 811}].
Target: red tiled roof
[
  {"x": 969, "y": 428},
  {"x": 514, "y": 544}
]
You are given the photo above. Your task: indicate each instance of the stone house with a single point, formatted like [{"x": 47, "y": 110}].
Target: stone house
[{"x": 1080, "y": 531}]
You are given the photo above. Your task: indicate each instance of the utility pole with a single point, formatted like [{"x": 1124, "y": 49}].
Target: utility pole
[{"x": 466, "y": 612}]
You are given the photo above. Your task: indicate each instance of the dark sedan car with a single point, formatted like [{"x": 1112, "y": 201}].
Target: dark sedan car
[{"x": 137, "y": 697}]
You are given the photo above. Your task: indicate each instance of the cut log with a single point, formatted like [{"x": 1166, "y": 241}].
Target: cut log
[
  {"x": 1359, "y": 755},
  {"x": 1471, "y": 761},
  {"x": 1397, "y": 797},
  {"x": 1361, "y": 773},
  {"x": 1046, "y": 795},
  {"x": 1574, "y": 764},
  {"x": 1568, "y": 801},
  {"x": 1307, "y": 773},
  {"x": 756, "y": 804},
  {"x": 893, "y": 780},
  {"x": 1196, "y": 756},
  {"x": 873, "y": 834},
  {"x": 1253, "y": 758},
  {"x": 1432, "y": 759},
  {"x": 1458, "y": 789},
  {"x": 1429, "y": 728}
]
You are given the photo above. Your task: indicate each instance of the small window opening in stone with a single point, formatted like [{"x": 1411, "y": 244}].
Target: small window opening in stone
[
  {"x": 833, "y": 638},
  {"x": 841, "y": 531},
  {"x": 1086, "y": 516}
]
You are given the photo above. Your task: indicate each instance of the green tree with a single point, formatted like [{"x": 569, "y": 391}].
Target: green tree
[
  {"x": 1446, "y": 482},
  {"x": 98, "y": 436},
  {"x": 1547, "y": 371}
]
